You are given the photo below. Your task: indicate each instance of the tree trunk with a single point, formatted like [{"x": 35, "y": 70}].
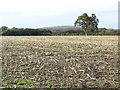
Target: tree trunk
[{"x": 85, "y": 32}]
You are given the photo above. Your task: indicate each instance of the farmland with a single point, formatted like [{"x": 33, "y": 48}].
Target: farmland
[{"x": 59, "y": 61}]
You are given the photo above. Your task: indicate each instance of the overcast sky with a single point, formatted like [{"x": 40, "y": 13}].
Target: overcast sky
[{"x": 45, "y": 13}]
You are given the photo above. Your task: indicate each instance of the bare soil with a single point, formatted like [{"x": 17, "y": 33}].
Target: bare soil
[{"x": 59, "y": 61}]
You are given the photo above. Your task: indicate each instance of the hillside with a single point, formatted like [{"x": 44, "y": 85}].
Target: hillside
[{"x": 62, "y": 28}]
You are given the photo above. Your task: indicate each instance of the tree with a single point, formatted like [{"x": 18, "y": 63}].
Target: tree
[
  {"x": 4, "y": 28},
  {"x": 88, "y": 23}
]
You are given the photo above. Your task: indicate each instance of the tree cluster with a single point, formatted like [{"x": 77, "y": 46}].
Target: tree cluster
[
  {"x": 24, "y": 32},
  {"x": 53, "y": 31},
  {"x": 88, "y": 23}
]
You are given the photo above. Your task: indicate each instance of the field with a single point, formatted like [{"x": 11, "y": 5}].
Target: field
[{"x": 59, "y": 61}]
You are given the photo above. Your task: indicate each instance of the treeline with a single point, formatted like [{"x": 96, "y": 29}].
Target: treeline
[
  {"x": 58, "y": 30},
  {"x": 25, "y": 32}
]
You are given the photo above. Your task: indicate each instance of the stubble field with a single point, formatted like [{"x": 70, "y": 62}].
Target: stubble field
[{"x": 59, "y": 61}]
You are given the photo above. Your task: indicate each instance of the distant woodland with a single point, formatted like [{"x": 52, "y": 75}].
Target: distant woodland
[{"x": 53, "y": 31}]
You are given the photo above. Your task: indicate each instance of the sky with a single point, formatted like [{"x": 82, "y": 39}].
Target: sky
[{"x": 49, "y": 13}]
